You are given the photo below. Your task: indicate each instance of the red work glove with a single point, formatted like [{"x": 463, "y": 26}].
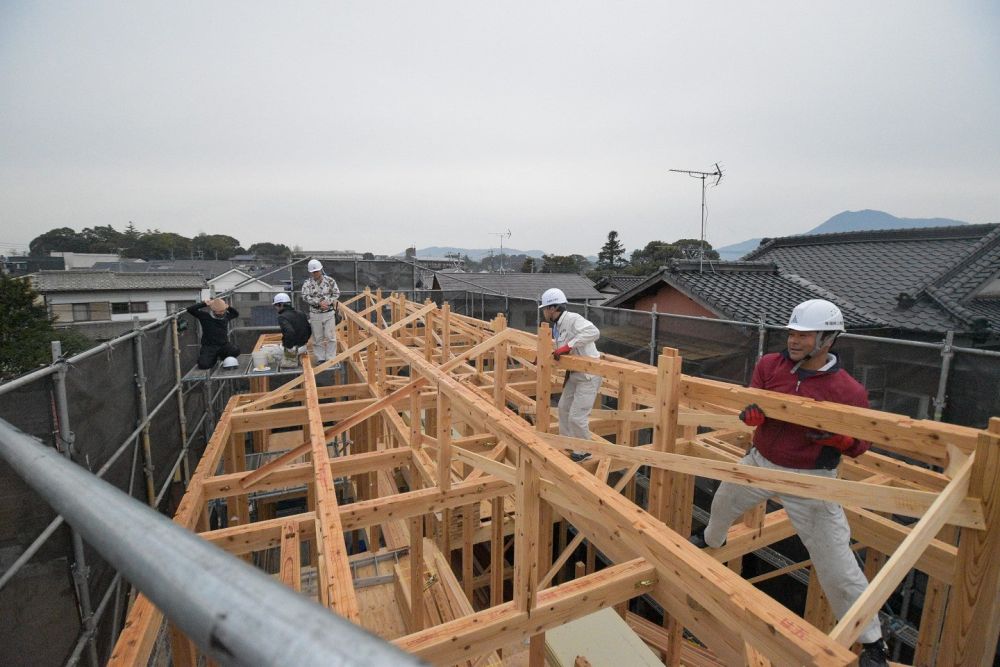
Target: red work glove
[
  {"x": 752, "y": 415},
  {"x": 559, "y": 351},
  {"x": 839, "y": 442}
]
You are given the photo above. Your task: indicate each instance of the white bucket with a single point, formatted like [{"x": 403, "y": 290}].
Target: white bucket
[{"x": 260, "y": 360}]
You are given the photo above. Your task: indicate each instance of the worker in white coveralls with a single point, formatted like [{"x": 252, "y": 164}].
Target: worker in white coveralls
[
  {"x": 573, "y": 334},
  {"x": 805, "y": 368},
  {"x": 320, "y": 291}
]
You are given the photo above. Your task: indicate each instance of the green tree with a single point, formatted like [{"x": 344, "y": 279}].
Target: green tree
[
  {"x": 61, "y": 239},
  {"x": 612, "y": 254},
  {"x": 105, "y": 239},
  {"x": 529, "y": 265},
  {"x": 26, "y": 330},
  {"x": 270, "y": 250},
  {"x": 691, "y": 249},
  {"x": 650, "y": 258},
  {"x": 216, "y": 246},
  {"x": 564, "y": 263}
]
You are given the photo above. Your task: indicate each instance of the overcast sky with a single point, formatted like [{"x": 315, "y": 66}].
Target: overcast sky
[{"x": 376, "y": 125}]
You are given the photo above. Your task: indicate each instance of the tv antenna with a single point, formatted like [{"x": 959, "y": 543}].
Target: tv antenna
[
  {"x": 501, "y": 236},
  {"x": 703, "y": 175}
]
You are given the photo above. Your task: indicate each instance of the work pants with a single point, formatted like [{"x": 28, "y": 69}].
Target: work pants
[
  {"x": 209, "y": 354},
  {"x": 575, "y": 403},
  {"x": 324, "y": 335},
  {"x": 821, "y": 526}
]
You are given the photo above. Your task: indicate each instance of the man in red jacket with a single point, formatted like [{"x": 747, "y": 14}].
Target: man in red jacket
[{"x": 805, "y": 368}]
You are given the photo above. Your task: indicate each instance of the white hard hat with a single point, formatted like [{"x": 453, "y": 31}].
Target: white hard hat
[
  {"x": 816, "y": 315},
  {"x": 314, "y": 265},
  {"x": 230, "y": 362},
  {"x": 281, "y": 297},
  {"x": 553, "y": 297}
]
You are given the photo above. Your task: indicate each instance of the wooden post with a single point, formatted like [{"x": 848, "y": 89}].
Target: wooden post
[
  {"x": 543, "y": 386},
  {"x": 468, "y": 513},
  {"x": 416, "y": 436},
  {"x": 667, "y": 500},
  {"x": 416, "y": 573},
  {"x": 972, "y": 621},
  {"x": 445, "y": 332},
  {"x": 526, "y": 535},
  {"x": 497, "y": 561}
]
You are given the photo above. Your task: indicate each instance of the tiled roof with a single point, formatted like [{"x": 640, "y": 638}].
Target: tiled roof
[
  {"x": 208, "y": 268},
  {"x": 622, "y": 283},
  {"x": 743, "y": 291},
  {"x": 919, "y": 280},
  {"x": 522, "y": 285},
  {"x": 95, "y": 281}
]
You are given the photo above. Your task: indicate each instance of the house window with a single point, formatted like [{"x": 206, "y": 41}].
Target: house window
[
  {"x": 176, "y": 306},
  {"x": 126, "y": 307},
  {"x": 81, "y": 312}
]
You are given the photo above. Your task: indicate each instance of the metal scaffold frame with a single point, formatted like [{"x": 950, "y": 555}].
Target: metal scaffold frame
[{"x": 452, "y": 456}]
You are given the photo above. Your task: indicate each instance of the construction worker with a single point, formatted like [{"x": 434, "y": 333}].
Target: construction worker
[
  {"x": 806, "y": 368},
  {"x": 573, "y": 334},
  {"x": 320, "y": 291},
  {"x": 214, "y": 315},
  {"x": 295, "y": 330}
]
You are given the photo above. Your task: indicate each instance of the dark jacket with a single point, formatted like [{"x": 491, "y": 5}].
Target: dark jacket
[
  {"x": 787, "y": 444},
  {"x": 295, "y": 329},
  {"x": 214, "y": 331}
]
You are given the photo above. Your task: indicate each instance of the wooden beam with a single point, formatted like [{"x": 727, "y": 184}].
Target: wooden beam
[
  {"x": 906, "y": 502},
  {"x": 885, "y": 582},
  {"x": 404, "y": 505},
  {"x": 491, "y": 629},
  {"x": 923, "y": 440},
  {"x": 973, "y": 617},
  {"x": 290, "y": 571},
  {"x": 526, "y": 536},
  {"x": 334, "y": 579}
]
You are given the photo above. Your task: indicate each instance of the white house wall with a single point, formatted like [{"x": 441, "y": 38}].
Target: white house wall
[{"x": 156, "y": 300}]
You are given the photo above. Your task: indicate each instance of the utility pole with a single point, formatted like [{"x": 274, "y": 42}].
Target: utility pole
[
  {"x": 501, "y": 236},
  {"x": 704, "y": 211}
]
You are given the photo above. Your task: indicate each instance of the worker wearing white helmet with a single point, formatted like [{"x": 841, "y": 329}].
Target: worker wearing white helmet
[
  {"x": 214, "y": 316},
  {"x": 805, "y": 368},
  {"x": 295, "y": 330},
  {"x": 320, "y": 291},
  {"x": 574, "y": 335}
]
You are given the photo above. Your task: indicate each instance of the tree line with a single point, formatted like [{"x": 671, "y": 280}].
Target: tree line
[
  {"x": 149, "y": 244},
  {"x": 644, "y": 261}
]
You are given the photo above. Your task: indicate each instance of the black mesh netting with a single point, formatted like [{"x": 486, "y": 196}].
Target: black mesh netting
[
  {"x": 103, "y": 406},
  {"x": 39, "y": 601},
  {"x": 709, "y": 348}
]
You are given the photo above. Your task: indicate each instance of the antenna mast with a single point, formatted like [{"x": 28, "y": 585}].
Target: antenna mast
[
  {"x": 702, "y": 175},
  {"x": 501, "y": 236}
]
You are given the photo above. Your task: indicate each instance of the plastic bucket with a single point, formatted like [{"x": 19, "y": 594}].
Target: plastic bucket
[{"x": 260, "y": 360}]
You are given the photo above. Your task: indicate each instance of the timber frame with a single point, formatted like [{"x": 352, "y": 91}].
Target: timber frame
[{"x": 450, "y": 453}]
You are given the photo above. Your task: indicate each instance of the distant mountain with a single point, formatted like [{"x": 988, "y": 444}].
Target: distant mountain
[
  {"x": 476, "y": 254},
  {"x": 848, "y": 221},
  {"x": 869, "y": 220},
  {"x": 731, "y": 253}
]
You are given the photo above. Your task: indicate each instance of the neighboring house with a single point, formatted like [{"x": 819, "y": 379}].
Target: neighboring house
[
  {"x": 739, "y": 291},
  {"x": 243, "y": 283},
  {"x": 578, "y": 289},
  {"x": 920, "y": 282},
  {"x": 25, "y": 264},
  {"x": 614, "y": 285},
  {"x": 207, "y": 268},
  {"x": 103, "y": 303}
]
